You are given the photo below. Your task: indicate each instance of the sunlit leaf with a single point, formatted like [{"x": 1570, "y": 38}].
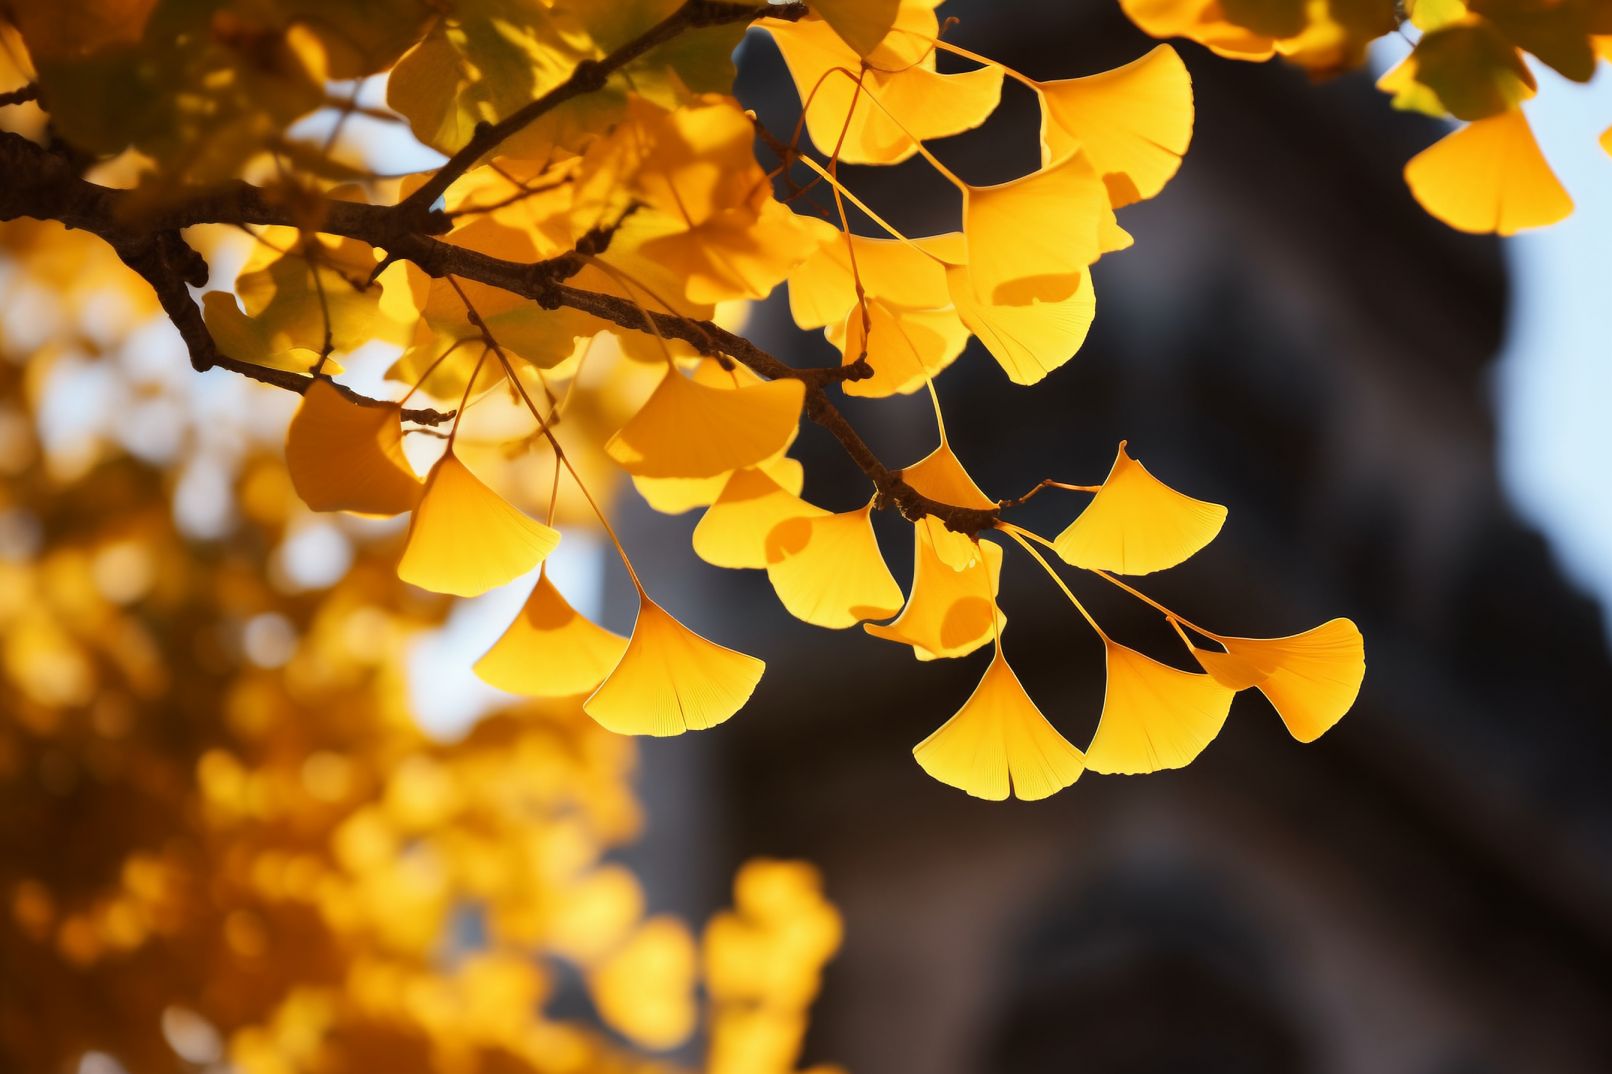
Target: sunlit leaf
[
  {"x": 672, "y": 680},
  {"x": 828, "y": 571},
  {"x": 1000, "y": 740},
  {"x": 1136, "y": 524},
  {"x": 735, "y": 531},
  {"x": 1489, "y": 176},
  {"x": 688, "y": 429},
  {"x": 948, "y": 612},
  {"x": 1154, "y": 717},
  {"x": 550, "y": 649},
  {"x": 1031, "y": 340},
  {"x": 345, "y": 457},
  {"x": 1311, "y": 679},
  {"x": 465, "y": 539},
  {"x": 940, "y": 476},
  {"x": 1132, "y": 123}
]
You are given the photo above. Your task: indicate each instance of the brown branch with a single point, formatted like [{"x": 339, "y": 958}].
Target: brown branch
[
  {"x": 589, "y": 76},
  {"x": 34, "y": 182},
  {"x": 22, "y": 95}
]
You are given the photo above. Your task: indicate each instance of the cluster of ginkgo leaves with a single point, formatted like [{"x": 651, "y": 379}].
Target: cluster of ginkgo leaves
[
  {"x": 568, "y": 289},
  {"x": 228, "y": 845},
  {"x": 1468, "y": 61}
]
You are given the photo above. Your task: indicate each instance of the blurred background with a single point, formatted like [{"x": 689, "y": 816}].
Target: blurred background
[{"x": 1407, "y": 425}]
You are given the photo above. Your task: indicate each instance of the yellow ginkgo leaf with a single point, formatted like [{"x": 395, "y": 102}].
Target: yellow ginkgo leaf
[
  {"x": 739, "y": 253},
  {"x": 733, "y": 532},
  {"x": 465, "y": 539},
  {"x": 877, "y": 115},
  {"x": 671, "y": 680},
  {"x": 903, "y": 347},
  {"x": 997, "y": 739},
  {"x": 1154, "y": 716},
  {"x": 948, "y": 612},
  {"x": 687, "y": 429},
  {"x": 1203, "y": 21},
  {"x": 344, "y": 456},
  {"x": 1031, "y": 340},
  {"x": 1133, "y": 123},
  {"x": 940, "y": 476},
  {"x": 675, "y": 495},
  {"x": 550, "y": 650},
  {"x": 1489, "y": 176},
  {"x": 1136, "y": 524},
  {"x": 1311, "y": 679},
  {"x": 822, "y": 290},
  {"x": 828, "y": 570},
  {"x": 861, "y": 24},
  {"x": 1031, "y": 238},
  {"x": 645, "y": 990}
]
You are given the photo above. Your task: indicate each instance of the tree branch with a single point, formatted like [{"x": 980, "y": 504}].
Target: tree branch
[
  {"x": 589, "y": 76},
  {"x": 36, "y": 183},
  {"x": 21, "y": 95}
]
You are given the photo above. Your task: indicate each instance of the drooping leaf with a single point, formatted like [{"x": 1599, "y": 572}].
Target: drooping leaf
[
  {"x": 1311, "y": 679},
  {"x": 1489, "y": 176},
  {"x": 998, "y": 741},
  {"x": 948, "y": 612},
  {"x": 688, "y": 429},
  {"x": 343, "y": 456},
  {"x": 1133, "y": 123},
  {"x": 1154, "y": 716},
  {"x": 828, "y": 571},
  {"x": 550, "y": 649},
  {"x": 671, "y": 680},
  {"x": 465, "y": 539},
  {"x": 1136, "y": 524}
]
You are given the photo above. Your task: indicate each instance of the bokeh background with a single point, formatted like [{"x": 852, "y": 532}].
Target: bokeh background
[{"x": 1407, "y": 424}]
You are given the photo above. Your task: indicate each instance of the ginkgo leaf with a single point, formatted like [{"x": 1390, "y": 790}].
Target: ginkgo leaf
[
  {"x": 1133, "y": 123},
  {"x": 734, "y": 530},
  {"x": 822, "y": 289},
  {"x": 861, "y": 24},
  {"x": 1136, "y": 524},
  {"x": 940, "y": 476},
  {"x": 1311, "y": 679},
  {"x": 1031, "y": 238},
  {"x": 1203, "y": 21},
  {"x": 465, "y": 539},
  {"x": 948, "y": 612},
  {"x": 1031, "y": 340},
  {"x": 343, "y": 456},
  {"x": 676, "y": 495},
  {"x": 828, "y": 571},
  {"x": 1154, "y": 716},
  {"x": 1466, "y": 69},
  {"x": 1489, "y": 176},
  {"x": 671, "y": 680},
  {"x": 900, "y": 100},
  {"x": 904, "y": 348},
  {"x": 481, "y": 61},
  {"x": 253, "y": 339},
  {"x": 550, "y": 650},
  {"x": 687, "y": 429},
  {"x": 1000, "y": 740},
  {"x": 317, "y": 293},
  {"x": 739, "y": 253}
]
